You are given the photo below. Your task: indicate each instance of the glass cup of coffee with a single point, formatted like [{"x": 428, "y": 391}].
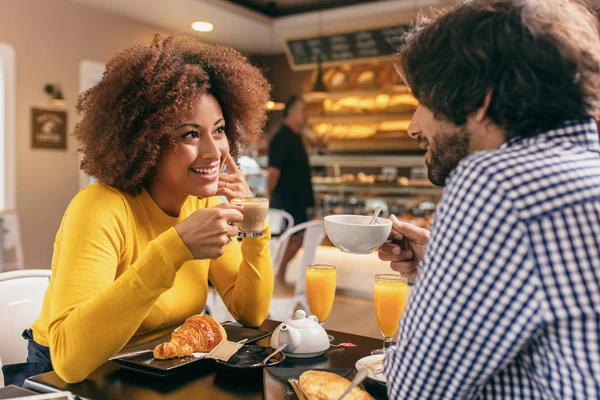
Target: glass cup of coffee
[{"x": 255, "y": 212}]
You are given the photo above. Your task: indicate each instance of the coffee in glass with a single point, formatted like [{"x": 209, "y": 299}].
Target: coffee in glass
[{"x": 255, "y": 212}]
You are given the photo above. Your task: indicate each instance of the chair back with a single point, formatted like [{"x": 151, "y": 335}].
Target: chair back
[
  {"x": 314, "y": 233},
  {"x": 276, "y": 220},
  {"x": 11, "y": 249},
  {"x": 21, "y": 297}
]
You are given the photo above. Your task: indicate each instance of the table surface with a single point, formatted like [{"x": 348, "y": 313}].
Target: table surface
[{"x": 209, "y": 379}]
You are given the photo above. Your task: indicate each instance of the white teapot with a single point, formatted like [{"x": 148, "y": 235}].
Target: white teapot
[{"x": 304, "y": 336}]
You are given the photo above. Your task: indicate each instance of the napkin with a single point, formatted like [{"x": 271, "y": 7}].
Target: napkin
[{"x": 224, "y": 350}]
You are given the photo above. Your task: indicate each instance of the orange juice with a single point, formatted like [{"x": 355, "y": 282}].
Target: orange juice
[
  {"x": 320, "y": 289},
  {"x": 390, "y": 299}
]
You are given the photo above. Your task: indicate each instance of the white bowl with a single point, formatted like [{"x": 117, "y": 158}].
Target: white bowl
[{"x": 353, "y": 234}]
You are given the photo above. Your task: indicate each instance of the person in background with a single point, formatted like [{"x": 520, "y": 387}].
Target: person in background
[
  {"x": 289, "y": 178},
  {"x": 507, "y": 300},
  {"x": 134, "y": 252}
]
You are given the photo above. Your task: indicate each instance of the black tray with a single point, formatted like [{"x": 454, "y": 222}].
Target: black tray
[{"x": 147, "y": 364}]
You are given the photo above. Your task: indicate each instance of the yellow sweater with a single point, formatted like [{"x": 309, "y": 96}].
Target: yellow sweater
[{"x": 121, "y": 276}]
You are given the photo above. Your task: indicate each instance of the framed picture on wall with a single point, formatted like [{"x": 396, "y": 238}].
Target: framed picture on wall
[{"x": 48, "y": 129}]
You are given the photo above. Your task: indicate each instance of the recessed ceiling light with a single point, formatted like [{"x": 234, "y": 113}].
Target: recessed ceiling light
[{"x": 202, "y": 26}]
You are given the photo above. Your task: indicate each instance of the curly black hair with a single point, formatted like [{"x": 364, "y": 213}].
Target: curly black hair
[{"x": 147, "y": 90}]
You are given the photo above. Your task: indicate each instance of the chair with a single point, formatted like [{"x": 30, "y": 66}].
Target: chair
[
  {"x": 314, "y": 233},
  {"x": 11, "y": 250},
  {"x": 21, "y": 296},
  {"x": 276, "y": 220}
]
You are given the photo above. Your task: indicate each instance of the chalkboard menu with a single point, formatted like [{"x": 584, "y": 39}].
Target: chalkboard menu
[{"x": 340, "y": 48}]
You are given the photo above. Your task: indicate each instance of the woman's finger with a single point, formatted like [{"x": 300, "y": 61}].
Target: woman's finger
[
  {"x": 228, "y": 192},
  {"x": 229, "y": 185},
  {"x": 232, "y": 230},
  {"x": 227, "y": 178},
  {"x": 231, "y": 165}
]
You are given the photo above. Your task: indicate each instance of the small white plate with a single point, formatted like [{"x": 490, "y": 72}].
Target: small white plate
[{"x": 360, "y": 365}]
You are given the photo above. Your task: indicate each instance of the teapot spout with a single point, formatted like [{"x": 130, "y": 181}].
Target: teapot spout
[{"x": 291, "y": 336}]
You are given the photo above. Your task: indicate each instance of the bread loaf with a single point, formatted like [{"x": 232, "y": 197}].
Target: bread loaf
[
  {"x": 323, "y": 385},
  {"x": 198, "y": 334}
]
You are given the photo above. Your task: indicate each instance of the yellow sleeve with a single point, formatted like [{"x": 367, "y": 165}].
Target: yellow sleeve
[
  {"x": 93, "y": 315},
  {"x": 243, "y": 277}
]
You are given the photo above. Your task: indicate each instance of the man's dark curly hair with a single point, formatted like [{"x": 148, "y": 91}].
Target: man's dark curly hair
[
  {"x": 540, "y": 59},
  {"x": 147, "y": 90}
]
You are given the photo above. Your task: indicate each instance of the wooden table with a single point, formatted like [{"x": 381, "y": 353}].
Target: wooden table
[{"x": 208, "y": 380}]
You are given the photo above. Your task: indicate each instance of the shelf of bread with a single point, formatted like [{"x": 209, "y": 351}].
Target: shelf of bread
[
  {"x": 356, "y": 78},
  {"x": 377, "y": 161},
  {"x": 377, "y": 189},
  {"x": 361, "y": 102},
  {"x": 394, "y": 120},
  {"x": 393, "y": 90},
  {"x": 358, "y": 160},
  {"x": 380, "y": 184},
  {"x": 374, "y": 144}
]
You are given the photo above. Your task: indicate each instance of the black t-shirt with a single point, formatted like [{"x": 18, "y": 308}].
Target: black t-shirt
[{"x": 294, "y": 192}]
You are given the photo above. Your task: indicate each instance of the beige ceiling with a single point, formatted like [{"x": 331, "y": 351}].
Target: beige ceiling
[{"x": 251, "y": 32}]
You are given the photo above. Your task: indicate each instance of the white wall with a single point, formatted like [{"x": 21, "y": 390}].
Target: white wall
[{"x": 50, "y": 38}]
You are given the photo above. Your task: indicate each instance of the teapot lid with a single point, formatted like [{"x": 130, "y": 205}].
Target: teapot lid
[{"x": 300, "y": 321}]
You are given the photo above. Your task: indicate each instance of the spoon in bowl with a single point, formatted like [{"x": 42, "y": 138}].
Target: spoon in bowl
[{"x": 375, "y": 215}]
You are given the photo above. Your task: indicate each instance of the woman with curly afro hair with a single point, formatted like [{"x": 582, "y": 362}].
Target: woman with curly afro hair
[{"x": 135, "y": 251}]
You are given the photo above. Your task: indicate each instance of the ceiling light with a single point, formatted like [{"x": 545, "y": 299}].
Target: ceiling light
[
  {"x": 202, "y": 26},
  {"x": 319, "y": 87}
]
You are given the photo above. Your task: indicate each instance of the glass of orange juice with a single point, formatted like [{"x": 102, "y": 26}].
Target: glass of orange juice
[
  {"x": 390, "y": 294},
  {"x": 320, "y": 290}
]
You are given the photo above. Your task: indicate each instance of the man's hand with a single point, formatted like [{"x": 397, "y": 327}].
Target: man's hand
[{"x": 406, "y": 250}]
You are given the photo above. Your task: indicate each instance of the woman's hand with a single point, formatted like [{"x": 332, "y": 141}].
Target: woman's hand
[
  {"x": 233, "y": 184},
  {"x": 206, "y": 232},
  {"x": 407, "y": 248}
]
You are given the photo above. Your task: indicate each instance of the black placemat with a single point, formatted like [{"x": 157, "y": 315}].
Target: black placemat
[{"x": 147, "y": 364}]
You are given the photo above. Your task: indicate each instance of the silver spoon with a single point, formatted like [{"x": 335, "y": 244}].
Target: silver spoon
[
  {"x": 358, "y": 378},
  {"x": 375, "y": 215},
  {"x": 267, "y": 358},
  {"x": 277, "y": 350}
]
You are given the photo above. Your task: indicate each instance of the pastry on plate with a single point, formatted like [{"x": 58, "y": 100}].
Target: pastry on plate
[
  {"x": 323, "y": 385},
  {"x": 198, "y": 334}
]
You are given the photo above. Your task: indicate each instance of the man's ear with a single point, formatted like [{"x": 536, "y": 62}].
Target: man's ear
[{"x": 480, "y": 114}]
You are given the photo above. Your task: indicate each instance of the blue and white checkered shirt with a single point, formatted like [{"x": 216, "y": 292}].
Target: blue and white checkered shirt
[{"x": 507, "y": 304}]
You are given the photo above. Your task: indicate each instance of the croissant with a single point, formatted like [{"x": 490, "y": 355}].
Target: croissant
[{"x": 198, "y": 334}]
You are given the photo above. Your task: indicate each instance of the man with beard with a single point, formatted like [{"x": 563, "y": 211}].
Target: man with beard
[{"x": 507, "y": 300}]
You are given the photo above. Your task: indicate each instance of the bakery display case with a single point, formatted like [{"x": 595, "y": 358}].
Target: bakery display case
[
  {"x": 364, "y": 156},
  {"x": 358, "y": 183},
  {"x": 360, "y": 152}
]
